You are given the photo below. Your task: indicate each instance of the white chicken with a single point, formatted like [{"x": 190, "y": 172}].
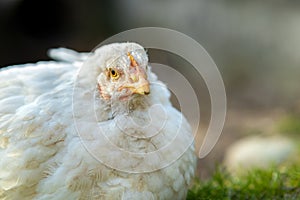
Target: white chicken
[{"x": 92, "y": 126}]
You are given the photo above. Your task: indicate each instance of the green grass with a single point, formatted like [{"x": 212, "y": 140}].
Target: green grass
[{"x": 274, "y": 183}]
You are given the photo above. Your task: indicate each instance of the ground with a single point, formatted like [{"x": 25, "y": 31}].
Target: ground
[{"x": 275, "y": 182}]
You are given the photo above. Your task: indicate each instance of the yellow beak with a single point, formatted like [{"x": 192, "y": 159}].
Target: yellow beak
[
  {"x": 140, "y": 84},
  {"x": 143, "y": 90}
]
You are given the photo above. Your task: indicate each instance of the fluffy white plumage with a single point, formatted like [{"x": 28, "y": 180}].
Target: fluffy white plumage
[{"x": 42, "y": 156}]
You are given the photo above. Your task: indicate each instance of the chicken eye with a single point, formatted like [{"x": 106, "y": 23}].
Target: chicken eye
[{"x": 114, "y": 74}]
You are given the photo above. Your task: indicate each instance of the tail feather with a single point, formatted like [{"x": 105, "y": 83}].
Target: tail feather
[{"x": 66, "y": 55}]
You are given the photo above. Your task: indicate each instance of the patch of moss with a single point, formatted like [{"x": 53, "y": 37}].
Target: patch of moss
[{"x": 273, "y": 183}]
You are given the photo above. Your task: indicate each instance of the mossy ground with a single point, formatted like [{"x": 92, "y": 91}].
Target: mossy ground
[
  {"x": 277, "y": 182},
  {"x": 273, "y": 183}
]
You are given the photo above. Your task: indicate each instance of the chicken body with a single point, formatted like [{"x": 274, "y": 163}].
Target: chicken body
[{"x": 50, "y": 151}]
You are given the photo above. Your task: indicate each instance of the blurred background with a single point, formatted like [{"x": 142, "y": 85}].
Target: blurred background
[{"x": 255, "y": 44}]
